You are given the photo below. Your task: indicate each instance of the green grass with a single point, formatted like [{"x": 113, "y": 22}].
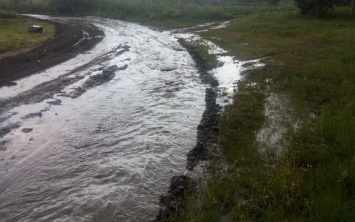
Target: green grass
[
  {"x": 310, "y": 62},
  {"x": 14, "y": 34},
  {"x": 160, "y": 13},
  {"x": 170, "y": 15}
]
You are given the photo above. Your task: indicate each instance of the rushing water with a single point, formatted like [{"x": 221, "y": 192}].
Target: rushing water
[
  {"x": 109, "y": 153},
  {"x": 80, "y": 150}
]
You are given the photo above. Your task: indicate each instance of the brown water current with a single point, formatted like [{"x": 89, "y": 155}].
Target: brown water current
[{"x": 97, "y": 138}]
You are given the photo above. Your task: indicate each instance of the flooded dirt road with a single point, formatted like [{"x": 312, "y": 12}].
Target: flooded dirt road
[{"x": 98, "y": 137}]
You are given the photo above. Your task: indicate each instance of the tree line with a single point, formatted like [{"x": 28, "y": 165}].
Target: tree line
[
  {"x": 319, "y": 8},
  {"x": 74, "y": 6},
  {"x": 315, "y": 8}
]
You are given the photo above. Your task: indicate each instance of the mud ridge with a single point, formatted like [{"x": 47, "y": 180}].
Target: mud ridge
[
  {"x": 207, "y": 138},
  {"x": 96, "y": 80},
  {"x": 175, "y": 198},
  {"x": 67, "y": 43}
]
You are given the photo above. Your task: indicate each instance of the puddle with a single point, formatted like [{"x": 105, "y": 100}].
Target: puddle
[
  {"x": 279, "y": 121},
  {"x": 229, "y": 70}
]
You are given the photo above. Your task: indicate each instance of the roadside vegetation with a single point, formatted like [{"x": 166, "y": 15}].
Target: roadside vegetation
[
  {"x": 14, "y": 35},
  {"x": 288, "y": 138},
  {"x": 158, "y": 13}
]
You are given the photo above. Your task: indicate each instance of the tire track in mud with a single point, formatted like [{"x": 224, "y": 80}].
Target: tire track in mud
[
  {"x": 69, "y": 40},
  {"x": 48, "y": 89}
]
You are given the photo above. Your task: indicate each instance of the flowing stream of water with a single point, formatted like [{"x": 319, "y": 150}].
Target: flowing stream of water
[
  {"x": 109, "y": 153},
  {"x": 98, "y": 138}
]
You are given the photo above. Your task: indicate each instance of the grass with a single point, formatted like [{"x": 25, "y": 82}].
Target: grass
[
  {"x": 14, "y": 34},
  {"x": 209, "y": 60},
  {"x": 310, "y": 62},
  {"x": 158, "y": 13},
  {"x": 173, "y": 15}
]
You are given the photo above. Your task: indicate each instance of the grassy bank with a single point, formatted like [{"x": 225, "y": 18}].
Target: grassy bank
[
  {"x": 14, "y": 34},
  {"x": 158, "y": 13},
  {"x": 289, "y": 136},
  {"x": 175, "y": 15}
]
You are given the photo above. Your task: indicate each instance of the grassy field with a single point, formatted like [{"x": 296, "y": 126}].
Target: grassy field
[
  {"x": 169, "y": 15},
  {"x": 157, "y": 13},
  {"x": 289, "y": 136},
  {"x": 14, "y": 34}
]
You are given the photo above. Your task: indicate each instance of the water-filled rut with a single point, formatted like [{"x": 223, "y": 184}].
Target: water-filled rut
[{"x": 98, "y": 137}]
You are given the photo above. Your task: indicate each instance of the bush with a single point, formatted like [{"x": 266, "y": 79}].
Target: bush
[
  {"x": 315, "y": 8},
  {"x": 7, "y": 15},
  {"x": 273, "y": 2},
  {"x": 344, "y": 2}
]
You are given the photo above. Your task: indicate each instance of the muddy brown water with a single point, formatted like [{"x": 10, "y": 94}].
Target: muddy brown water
[{"x": 105, "y": 151}]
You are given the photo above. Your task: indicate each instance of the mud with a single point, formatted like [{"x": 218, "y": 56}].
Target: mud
[
  {"x": 69, "y": 40},
  {"x": 2, "y": 145},
  {"x": 27, "y": 130},
  {"x": 222, "y": 83},
  {"x": 207, "y": 130},
  {"x": 56, "y": 86},
  {"x": 207, "y": 138},
  {"x": 8, "y": 129},
  {"x": 179, "y": 185},
  {"x": 96, "y": 80},
  {"x": 205, "y": 76}
]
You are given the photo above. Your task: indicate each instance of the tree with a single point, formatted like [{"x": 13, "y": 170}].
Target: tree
[
  {"x": 350, "y": 3},
  {"x": 315, "y": 8},
  {"x": 343, "y": 2},
  {"x": 273, "y": 2},
  {"x": 69, "y": 2},
  {"x": 71, "y": 6}
]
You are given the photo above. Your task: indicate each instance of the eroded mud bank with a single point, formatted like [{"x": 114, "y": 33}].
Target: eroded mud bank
[
  {"x": 221, "y": 83},
  {"x": 207, "y": 136}
]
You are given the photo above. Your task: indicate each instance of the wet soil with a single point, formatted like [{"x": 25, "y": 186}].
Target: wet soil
[
  {"x": 179, "y": 185},
  {"x": 207, "y": 138},
  {"x": 67, "y": 43},
  {"x": 207, "y": 130},
  {"x": 96, "y": 80}
]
